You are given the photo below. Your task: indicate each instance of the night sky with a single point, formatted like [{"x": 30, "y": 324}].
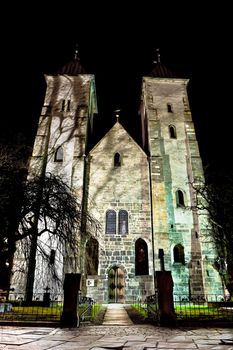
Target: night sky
[{"x": 119, "y": 47}]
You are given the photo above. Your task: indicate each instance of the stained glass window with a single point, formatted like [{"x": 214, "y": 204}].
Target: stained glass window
[
  {"x": 111, "y": 222},
  {"x": 123, "y": 222}
]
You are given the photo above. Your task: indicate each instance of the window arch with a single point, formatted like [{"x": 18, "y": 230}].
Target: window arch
[
  {"x": 172, "y": 131},
  {"x": 117, "y": 159},
  {"x": 92, "y": 253},
  {"x": 178, "y": 254},
  {"x": 141, "y": 258},
  {"x": 111, "y": 222},
  {"x": 123, "y": 222},
  {"x": 58, "y": 157},
  {"x": 169, "y": 108},
  {"x": 179, "y": 198}
]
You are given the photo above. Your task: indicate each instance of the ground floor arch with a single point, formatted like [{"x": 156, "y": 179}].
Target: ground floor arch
[{"x": 116, "y": 285}]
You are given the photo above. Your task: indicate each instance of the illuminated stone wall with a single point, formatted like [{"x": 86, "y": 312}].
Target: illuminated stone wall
[
  {"x": 124, "y": 187},
  {"x": 66, "y": 115},
  {"x": 175, "y": 161}
]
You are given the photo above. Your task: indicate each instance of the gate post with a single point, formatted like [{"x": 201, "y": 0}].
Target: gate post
[
  {"x": 167, "y": 316},
  {"x": 69, "y": 317}
]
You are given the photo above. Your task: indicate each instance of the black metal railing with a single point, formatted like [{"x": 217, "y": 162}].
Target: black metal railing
[
  {"x": 41, "y": 308},
  {"x": 44, "y": 307},
  {"x": 153, "y": 307},
  {"x": 85, "y": 308},
  {"x": 208, "y": 308},
  {"x": 203, "y": 308}
]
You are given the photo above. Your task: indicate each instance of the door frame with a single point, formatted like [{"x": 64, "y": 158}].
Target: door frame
[{"x": 116, "y": 268}]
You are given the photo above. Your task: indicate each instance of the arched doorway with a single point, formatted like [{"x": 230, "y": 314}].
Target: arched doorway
[{"x": 116, "y": 285}]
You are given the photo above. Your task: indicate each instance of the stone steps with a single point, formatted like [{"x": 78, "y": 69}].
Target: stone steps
[{"x": 116, "y": 315}]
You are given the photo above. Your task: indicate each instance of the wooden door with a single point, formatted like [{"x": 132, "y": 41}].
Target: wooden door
[{"x": 116, "y": 285}]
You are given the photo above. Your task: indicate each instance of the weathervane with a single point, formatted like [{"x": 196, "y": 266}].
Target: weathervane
[
  {"x": 76, "y": 52},
  {"x": 117, "y": 111},
  {"x": 158, "y": 56}
]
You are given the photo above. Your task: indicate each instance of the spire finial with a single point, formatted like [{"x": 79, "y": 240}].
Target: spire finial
[
  {"x": 76, "y": 52},
  {"x": 117, "y": 111},
  {"x": 158, "y": 55}
]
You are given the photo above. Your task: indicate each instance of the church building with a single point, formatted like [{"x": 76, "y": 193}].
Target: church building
[{"x": 140, "y": 194}]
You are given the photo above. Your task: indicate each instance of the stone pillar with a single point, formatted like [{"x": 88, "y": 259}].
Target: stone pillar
[
  {"x": 167, "y": 315},
  {"x": 69, "y": 317}
]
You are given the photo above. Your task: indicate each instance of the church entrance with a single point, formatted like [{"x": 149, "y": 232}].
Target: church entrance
[{"x": 116, "y": 285}]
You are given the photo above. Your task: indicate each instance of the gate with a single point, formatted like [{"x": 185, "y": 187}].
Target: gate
[{"x": 116, "y": 285}]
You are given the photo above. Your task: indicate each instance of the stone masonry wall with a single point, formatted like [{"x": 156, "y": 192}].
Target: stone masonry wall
[{"x": 125, "y": 187}]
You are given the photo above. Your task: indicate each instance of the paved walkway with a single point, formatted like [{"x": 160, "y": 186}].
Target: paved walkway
[
  {"x": 120, "y": 336},
  {"x": 116, "y": 315}
]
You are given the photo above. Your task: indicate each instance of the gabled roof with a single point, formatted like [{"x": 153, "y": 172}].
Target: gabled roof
[{"x": 115, "y": 128}]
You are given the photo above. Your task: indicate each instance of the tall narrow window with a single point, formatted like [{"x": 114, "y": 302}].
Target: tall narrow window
[
  {"x": 63, "y": 104},
  {"x": 111, "y": 222},
  {"x": 68, "y": 106},
  {"x": 117, "y": 159},
  {"x": 172, "y": 131},
  {"x": 58, "y": 155},
  {"x": 123, "y": 222},
  {"x": 52, "y": 257},
  {"x": 141, "y": 258},
  {"x": 180, "y": 198},
  {"x": 92, "y": 253},
  {"x": 178, "y": 253},
  {"x": 169, "y": 108}
]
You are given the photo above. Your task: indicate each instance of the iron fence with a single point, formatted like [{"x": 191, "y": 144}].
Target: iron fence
[
  {"x": 86, "y": 306},
  {"x": 209, "y": 309},
  {"x": 44, "y": 307},
  {"x": 41, "y": 308}
]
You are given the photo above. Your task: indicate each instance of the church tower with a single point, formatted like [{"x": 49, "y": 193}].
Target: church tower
[
  {"x": 168, "y": 135},
  {"x": 65, "y": 124},
  {"x": 61, "y": 144}
]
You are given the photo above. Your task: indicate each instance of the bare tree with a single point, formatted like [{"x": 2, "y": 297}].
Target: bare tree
[
  {"x": 214, "y": 196},
  {"x": 13, "y": 171},
  {"x": 35, "y": 206}
]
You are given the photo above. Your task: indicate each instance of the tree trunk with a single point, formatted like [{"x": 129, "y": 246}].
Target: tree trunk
[{"x": 31, "y": 268}]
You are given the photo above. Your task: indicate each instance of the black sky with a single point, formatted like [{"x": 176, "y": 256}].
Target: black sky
[{"x": 118, "y": 46}]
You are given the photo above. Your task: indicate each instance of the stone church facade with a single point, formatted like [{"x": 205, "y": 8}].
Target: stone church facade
[{"x": 138, "y": 193}]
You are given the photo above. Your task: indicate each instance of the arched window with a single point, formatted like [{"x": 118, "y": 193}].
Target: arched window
[
  {"x": 178, "y": 254},
  {"x": 169, "y": 108},
  {"x": 58, "y": 155},
  {"x": 172, "y": 131},
  {"x": 141, "y": 258},
  {"x": 123, "y": 222},
  {"x": 111, "y": 222},
  {"x": 117, "y": 159},
  {"x": 179, "y": 198},
  {"x": 92, "y": 253}
]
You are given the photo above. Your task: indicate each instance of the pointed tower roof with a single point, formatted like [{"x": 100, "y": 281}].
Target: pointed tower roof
[
  {"x": 73, "y": 67},
  {"x": 160, "y": 70}
]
